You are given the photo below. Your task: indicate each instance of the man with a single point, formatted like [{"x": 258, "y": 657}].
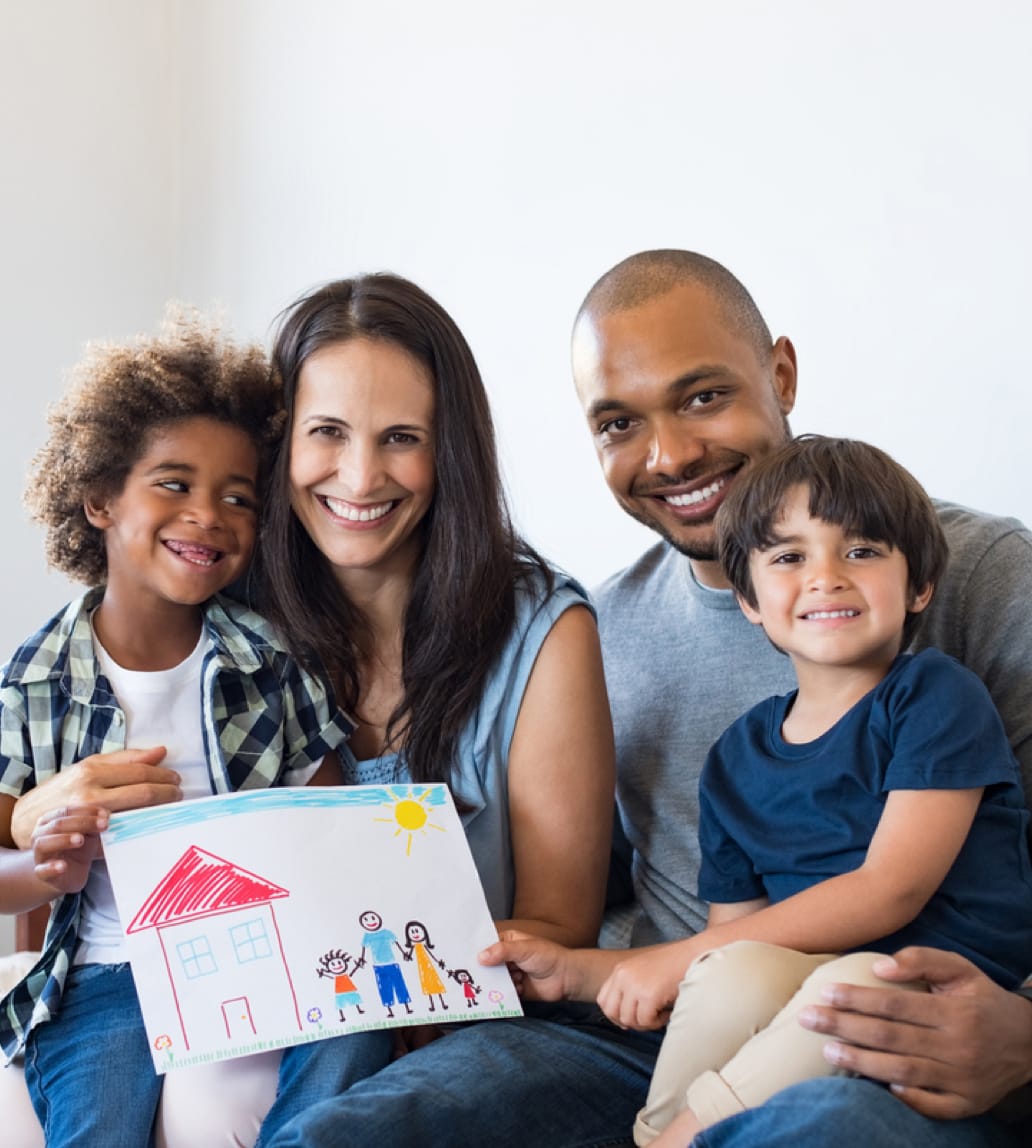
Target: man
[{"x": 684, "y": 388}]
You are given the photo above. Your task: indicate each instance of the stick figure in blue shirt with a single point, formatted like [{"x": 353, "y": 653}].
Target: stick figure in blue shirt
[{"x": 381, "y": 943}]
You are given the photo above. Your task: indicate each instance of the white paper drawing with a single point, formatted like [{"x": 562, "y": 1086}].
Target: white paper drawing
[{"x": 261, "y": 919}]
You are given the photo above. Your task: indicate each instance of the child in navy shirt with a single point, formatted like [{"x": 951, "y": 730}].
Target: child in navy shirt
[{"x": 879, "y": 805}]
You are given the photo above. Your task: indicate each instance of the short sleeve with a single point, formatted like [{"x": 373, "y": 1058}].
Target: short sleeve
[
  {"x": 16, "y": 770},
  {"x": 942, "y": 729}
]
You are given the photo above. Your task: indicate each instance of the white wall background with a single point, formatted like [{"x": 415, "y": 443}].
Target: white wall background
[{"x": 864, "y": 166}]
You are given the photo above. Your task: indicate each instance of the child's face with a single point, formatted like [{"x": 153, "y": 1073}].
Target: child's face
[
  {"x": 828, "y": 598},
  {"x": 183, "y": 525}
]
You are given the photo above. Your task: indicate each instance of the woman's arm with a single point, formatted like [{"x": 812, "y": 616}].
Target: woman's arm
[{"x": 561, "y": 785}]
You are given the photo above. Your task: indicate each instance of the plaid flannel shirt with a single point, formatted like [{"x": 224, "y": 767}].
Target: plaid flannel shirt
[{"x": 264, "y": 718}]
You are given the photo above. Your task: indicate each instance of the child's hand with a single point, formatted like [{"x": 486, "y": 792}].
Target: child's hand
[
  {"x": 125, "y": 779},
  {"x": 641, "y": 990},
  {"x": 65, "y": 844},
  {"x": 541, "y": 970}
]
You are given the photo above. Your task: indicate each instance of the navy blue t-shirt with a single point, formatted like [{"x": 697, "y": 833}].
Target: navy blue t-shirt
[{"x": 776, "y": 818}]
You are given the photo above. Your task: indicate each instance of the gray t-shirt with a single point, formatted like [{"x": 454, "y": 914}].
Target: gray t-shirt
[{"x": 682, "y": 663}]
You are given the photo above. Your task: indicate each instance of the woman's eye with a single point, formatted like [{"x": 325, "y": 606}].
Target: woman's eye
[{"x": 400, "y": 438}]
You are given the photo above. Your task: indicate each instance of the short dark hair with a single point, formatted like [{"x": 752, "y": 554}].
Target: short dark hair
[
  {"x": 648, "y": 274},
  {"x": 463, "y": 600},
  {"x": 851, "y": 484},
  {"x": 119, "y": 395}
]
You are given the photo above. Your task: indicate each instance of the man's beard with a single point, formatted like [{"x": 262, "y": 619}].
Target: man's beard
[{"x": 698, "y": 549}]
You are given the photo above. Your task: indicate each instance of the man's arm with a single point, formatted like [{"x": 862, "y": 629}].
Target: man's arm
[{"x": 950, "y": 1053}]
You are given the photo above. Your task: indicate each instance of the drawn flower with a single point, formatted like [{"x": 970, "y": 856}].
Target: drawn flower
[
  {"x": 314, "y": 1015},
  {"x": 162, "y": 1042},
  {"x": 495, "y": 996}
]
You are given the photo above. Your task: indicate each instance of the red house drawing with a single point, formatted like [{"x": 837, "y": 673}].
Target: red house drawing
[{"x": 222, "y": 949}]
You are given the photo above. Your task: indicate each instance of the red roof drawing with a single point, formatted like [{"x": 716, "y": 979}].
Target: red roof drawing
[{"x": 198, "y": 885}]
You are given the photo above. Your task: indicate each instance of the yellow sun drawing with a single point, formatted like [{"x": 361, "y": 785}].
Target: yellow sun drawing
[{"x": 411, "y": 816}]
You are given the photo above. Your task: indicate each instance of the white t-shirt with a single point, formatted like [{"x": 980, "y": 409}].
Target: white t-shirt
[{"x": 161, "y": 707}]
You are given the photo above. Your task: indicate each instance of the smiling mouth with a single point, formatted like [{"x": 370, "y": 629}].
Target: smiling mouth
[
  {"x": 194, "y": 553},
  {"x": 695, "y": 497},
  {"x": 824, "y": 615},
  {"x": 351, "y": 513}
]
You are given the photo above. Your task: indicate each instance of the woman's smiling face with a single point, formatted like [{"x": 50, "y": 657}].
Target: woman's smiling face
[{"x": 361, "y": 454}]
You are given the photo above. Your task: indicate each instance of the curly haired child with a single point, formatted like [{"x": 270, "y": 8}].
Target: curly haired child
[{"x": 149, "y": 688}]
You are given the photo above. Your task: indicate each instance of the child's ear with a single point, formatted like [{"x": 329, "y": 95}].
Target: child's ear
[
  {"x": 749, "y": 611},
  {"x": 97, "y": 512},
  {"x": 920, "y": 600}
]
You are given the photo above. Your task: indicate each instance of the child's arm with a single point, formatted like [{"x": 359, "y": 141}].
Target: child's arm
[
  {"x": 125, "y": 779},
  {"x": 65, "y": 845},
  {"x": 918, "y": 837}
]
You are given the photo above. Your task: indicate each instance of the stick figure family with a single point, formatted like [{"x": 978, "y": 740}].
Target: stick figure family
[{"x": 384, "y": 948}]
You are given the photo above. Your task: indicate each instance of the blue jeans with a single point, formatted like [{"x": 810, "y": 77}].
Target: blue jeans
[
  {"x": 849, "y": 1113},
  {"x": 89, "y": 1068},
  {"x": 560, "y": 1078}
]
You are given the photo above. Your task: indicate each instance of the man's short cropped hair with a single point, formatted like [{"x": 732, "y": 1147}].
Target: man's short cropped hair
[
  {"x": 850, "y": 484},
  {"x": 648, "y": 274}
]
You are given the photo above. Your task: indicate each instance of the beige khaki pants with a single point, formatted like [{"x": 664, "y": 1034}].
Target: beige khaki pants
[{"x": 733, "y": 1039}]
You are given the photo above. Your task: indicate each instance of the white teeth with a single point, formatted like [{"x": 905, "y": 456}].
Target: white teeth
[
  {"x": 819, "y": 615},
  {"x": 353, "y": 514},
  {"x": 196, "y": 555},
  {"x": 696, "y": 495}
]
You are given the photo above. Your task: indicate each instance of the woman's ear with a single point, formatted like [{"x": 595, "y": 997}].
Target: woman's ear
[{"x": 920, "y": 600}]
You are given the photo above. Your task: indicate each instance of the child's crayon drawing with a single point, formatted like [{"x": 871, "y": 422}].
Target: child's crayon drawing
[{"x": 262, "y": 919}]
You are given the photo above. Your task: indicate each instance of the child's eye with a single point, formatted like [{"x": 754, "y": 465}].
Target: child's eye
[
  {"x": 243, "y": 500},
  {"x": 176, "y": 485},
  {"x": 863, "y": 552},
  {"x": 786, "y": 558}
]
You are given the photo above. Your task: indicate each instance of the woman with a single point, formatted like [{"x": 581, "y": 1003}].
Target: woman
[{"x": 388, "y": 560}]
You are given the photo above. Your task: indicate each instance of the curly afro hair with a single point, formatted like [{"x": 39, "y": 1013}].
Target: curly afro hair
[{"x": 119, "y": 395}]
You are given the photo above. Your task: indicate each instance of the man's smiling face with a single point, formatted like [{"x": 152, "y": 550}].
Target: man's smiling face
[{"x": 678, "y": 404}]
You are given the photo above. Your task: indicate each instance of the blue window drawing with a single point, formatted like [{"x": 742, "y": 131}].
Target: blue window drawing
[
  {"x": 251, "y": 941},
  {"x": 197, "y": 958}
]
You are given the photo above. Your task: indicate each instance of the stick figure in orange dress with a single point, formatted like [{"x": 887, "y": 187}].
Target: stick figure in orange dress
[{"x": 418, "y": 942}]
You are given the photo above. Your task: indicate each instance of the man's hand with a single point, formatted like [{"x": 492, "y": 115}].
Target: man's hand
[
  {"x": 126, "y": 779},
  {"x": 950, "y": 1053},
  {"x": 65, "y": 844},
  {"x": 641, "y": 990}
]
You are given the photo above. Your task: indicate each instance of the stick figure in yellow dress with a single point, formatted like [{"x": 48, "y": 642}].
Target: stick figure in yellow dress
[{"x": 418, "y": 942}]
